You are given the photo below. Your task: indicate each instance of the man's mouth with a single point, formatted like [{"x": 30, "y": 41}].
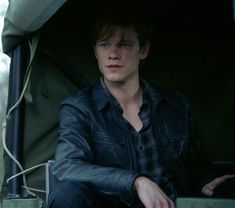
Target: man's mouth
[{"x": 114, "y": 66}]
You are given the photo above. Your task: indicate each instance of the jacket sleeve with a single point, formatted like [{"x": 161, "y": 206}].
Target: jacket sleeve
[
  {"x": 195, "y": 159},
  {"x": 74, "y": 160},
  {"x": 185, "y": 156}
]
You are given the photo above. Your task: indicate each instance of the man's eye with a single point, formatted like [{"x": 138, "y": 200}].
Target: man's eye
[
  {"x": 125, "y": 45},
  {"x": 104, "y": 45}
]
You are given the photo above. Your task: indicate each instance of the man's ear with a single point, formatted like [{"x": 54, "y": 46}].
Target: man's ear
[{"x": 144, "y": 51}]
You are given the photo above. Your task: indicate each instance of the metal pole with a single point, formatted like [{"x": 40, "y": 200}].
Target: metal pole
[{"x": 15, "y": 126}]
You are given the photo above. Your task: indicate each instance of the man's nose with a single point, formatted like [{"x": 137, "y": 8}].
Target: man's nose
[{"x": 114, "y": 53}]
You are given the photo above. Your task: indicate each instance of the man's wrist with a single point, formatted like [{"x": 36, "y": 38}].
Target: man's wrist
[{"x": 138, "y": 181}]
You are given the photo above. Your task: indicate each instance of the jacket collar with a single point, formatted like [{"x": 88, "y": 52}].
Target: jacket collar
[
  {"x": 102, "y": 97},
  {"x": 101, "y": 94},
  {"x": 154, "y": 95}
]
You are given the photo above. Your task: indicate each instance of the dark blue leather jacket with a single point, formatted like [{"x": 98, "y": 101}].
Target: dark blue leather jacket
[{"x": 94, "y": 149}]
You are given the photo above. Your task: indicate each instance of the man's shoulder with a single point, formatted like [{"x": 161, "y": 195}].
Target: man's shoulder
[
  {"x": 172, "y": 101},
  {"x": 164, "y": 92},
  {"x": 173, "y": 97},
  {"x": 80, "y": 96}
]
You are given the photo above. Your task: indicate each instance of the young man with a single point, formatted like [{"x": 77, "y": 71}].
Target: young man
[{"x": 122, "y": 142}]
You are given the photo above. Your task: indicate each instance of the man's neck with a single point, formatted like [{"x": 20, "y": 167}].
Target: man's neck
[
  {"x": 125, "y": 93},
  {"x": 129, "y": 95}
]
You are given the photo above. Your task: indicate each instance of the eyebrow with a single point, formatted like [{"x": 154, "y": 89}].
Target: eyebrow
[{"x": 122, "y": 40}]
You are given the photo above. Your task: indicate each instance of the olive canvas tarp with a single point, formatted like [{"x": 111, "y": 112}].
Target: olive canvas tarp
[
  {"x": 191, "y": 52},
  {"x": 24, "y": 17}
]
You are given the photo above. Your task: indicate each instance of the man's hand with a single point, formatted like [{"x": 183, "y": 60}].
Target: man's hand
[
  {"x": 151, "y": 195},
  {"x": 208, "y": 189}
]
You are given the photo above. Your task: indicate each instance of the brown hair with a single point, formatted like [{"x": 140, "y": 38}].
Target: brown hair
[{"x": 105, "y": 25}]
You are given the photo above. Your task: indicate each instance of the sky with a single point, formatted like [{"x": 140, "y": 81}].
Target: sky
[
  {"x": 4, "y": 59},
  {"x": 4, "y": 62},
  {"x": 4, "y": 72},
  {"x": 4, "y": 67}
]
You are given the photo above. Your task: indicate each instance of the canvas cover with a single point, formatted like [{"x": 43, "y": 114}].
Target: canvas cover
[
  {"x": 193, "y": 58},
  {"x": 24, "y": 17}
]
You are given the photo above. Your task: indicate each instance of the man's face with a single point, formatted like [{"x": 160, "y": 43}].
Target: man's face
[{"x": 119, "y": 55}]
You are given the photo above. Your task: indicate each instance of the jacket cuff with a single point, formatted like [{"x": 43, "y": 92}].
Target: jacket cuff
[{"x": 129, "y": 196}]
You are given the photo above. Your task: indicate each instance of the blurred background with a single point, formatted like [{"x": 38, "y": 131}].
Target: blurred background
[{"x": 4, "y": 72}]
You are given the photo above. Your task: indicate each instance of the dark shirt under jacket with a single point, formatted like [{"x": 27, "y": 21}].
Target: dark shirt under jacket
[
  {"x": 147, "y": 156},
  {"x": 97, "y": 148}
]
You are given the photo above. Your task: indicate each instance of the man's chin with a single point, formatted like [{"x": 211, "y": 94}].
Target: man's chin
[{"x": 114, "y": 80}]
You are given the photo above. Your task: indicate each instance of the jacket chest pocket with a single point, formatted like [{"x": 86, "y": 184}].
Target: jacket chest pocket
[
  {"x": 111, "y": 151},
  {"x": 176, "y": 145}
]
